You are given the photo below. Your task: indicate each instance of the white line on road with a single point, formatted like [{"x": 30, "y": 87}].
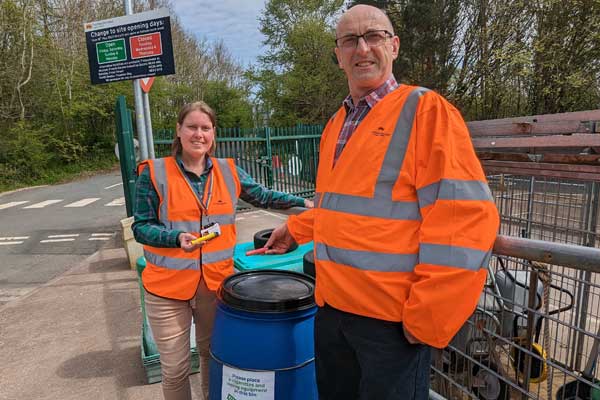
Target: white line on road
[
  {"x": 43, "y": 204},
  {"x": 115, "y": 185},
  {"x": 9, "y": 294},
  {"x": 83, "y": 202},
  {"x": 12, "y": 204},
  {"x": 120, "y": 201},
  {"x": 99, "y": 238},
  {"x": 102, "y": 234},
  {"x": 56, "y": 240},
  {"x": 63, "y": 236},
  {"x": 14, "y": 238},
  {"x": 7, "y": 243},
  {"x": 275, "y": 215}
]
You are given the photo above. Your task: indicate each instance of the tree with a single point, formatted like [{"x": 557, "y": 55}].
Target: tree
[
  {"x": 566, "y": 50},
  {"x": 299, "y": 81}
]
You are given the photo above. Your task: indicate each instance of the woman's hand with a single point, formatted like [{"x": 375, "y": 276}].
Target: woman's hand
[
  {"x": 309, "y": 203},
  {"x": 185, "y": 242}
]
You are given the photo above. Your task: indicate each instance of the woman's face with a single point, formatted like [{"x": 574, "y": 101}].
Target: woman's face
[{"x": 196, "y": 133}]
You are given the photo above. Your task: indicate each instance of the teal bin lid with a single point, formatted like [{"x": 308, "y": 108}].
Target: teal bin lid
[
  {"x": 140, "y": 265},
  {"x": 292, "y": 261}
]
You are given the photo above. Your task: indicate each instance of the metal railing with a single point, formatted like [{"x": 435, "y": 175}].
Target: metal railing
[
  {"x": 536, "y": 330},
  {"x": 283, "y": 159}
]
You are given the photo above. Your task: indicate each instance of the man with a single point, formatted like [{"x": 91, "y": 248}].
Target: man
[{"x": 403, "y": 225}]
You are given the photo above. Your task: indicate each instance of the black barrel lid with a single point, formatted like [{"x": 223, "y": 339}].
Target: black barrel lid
[{"x": 268, "y": 291}]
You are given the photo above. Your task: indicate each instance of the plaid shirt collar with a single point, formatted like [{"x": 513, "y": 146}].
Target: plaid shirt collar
[
  {"x": 207, "y": 167},
  {"x": 375, "y": 96}
]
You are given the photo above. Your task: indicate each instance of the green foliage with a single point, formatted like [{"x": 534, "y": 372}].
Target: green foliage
[
  {"x": 54, "y": 124},
  {"x": 230, "y": 104},
  {"x": 23, "y": 153},
  {"x": 299, "y": 81}
]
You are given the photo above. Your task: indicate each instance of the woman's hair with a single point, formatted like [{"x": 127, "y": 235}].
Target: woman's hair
[{"x": 183, "y": 112}]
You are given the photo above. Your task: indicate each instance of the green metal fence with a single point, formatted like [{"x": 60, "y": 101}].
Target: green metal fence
[{"x": 283, "y": 159}]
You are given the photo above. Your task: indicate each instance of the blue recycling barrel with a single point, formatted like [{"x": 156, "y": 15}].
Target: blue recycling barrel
[{"x": 262, "y": 343}]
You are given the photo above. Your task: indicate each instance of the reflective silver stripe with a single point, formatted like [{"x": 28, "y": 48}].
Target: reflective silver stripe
[
  {"x": 381, "y": 205},
  {"x": 171, "y": 262},
  {"x": 394, "y": 156},
  {"x": 453, "y": 189},
  {"x": 367, "y": 260},
  {"x": 381, "y": 208},
  {"x": 214, "y": 256},
  {"x": 317, "y": 198},
  {"x": 222, "y": 219},
  {"x": 229, "y": 182},
  {"x": 453, "y": 256},
  {"x": 160, "y": 177},
  {"x": 186, "y": 226},
  {"x": 194, "y": 226}
]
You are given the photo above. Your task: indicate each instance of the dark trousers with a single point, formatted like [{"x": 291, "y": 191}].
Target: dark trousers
[{"x": 360, "y": 358}]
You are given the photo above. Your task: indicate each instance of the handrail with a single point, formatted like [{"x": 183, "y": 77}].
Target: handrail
[{"x": 566, "y": 255}]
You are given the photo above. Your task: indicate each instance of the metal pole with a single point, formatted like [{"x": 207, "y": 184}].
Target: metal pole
[
  {"x": 148, "y": 119},
  {"x": 140, "y": 121},
  {"x": 139, "y": 107}
]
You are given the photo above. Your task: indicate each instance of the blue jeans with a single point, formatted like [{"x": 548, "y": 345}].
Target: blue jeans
[{"x": 360, "y": 358}]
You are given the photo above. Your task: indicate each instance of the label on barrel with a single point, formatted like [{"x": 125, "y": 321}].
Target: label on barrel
[{"x": 239, "y": 384}]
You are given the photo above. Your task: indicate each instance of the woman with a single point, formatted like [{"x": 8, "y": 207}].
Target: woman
[{"x": 177, "y": 198}]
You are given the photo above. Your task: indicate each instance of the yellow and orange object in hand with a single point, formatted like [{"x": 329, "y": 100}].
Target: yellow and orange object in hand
[{"x": 205, "y": 238}]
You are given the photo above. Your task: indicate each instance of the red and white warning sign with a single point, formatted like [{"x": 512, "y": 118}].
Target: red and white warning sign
[
  {"x": 145, "y": 45},
  {"x": 146, "y": 84}
]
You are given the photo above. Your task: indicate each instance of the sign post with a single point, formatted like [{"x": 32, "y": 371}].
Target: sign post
[{"x": 132, "y": 47}]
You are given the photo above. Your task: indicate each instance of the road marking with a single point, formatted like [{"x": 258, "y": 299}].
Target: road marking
[
  {"x": 43, "y": 204},
  {"x": 275, "y": 215},
  {"x": 101, "y": 236},
  {"x": 115, "y": 185},
  {"x": 14, "y": 238},
  {"x": 56, "y": 240},
  {"x": 63, "y": 236},
  {"x": 120, "y": 201},
  {"x": 12, "y": 204},
  {"x": 7, "y": 243},
  {"x": 8, "y": 294},
  {"x": 83, "y": 202}
]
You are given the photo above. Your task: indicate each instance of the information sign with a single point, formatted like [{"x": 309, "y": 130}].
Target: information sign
[{"x": 130, "y": 47}]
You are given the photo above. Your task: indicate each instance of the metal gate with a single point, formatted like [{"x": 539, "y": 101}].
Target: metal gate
[{"x": 283, "y": 159}]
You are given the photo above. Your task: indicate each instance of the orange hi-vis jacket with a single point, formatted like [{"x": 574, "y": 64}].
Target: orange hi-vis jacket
[
  {"x": 172, "y": 272},
  {"x": 404, "y": 222}
]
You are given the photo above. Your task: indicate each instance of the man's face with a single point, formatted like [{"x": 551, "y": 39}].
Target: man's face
[{"x": 367, "y": 67}]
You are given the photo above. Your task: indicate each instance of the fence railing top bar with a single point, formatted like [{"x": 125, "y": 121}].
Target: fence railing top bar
[
  {"x": 588, "y": 115},
  {"x": 578, "y": 140},
  {"x": 533, "y": 128},
  {"x": 566, "y": 255}
]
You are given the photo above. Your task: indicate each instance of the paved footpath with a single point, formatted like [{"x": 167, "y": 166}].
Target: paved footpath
[{"x": 78, "y": 336}]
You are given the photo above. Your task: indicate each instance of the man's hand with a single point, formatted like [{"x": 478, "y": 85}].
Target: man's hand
[
  {"x": 280, "y": 241},
  {"x": 410, "y": 337},
  {"x": 309, "y": 203},
  {"x": 185, "y": 242}
]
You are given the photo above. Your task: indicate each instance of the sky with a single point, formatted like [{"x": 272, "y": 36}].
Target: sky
[{"x": 233, "y": 21}]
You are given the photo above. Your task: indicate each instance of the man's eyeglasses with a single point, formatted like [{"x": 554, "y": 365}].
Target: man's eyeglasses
[{"x": 372, "y": 38}]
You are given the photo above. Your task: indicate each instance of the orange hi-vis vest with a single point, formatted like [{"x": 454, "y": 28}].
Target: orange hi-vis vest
[
  {"x": 404, "y": 221},
  {"x": 172, "y": 272}
]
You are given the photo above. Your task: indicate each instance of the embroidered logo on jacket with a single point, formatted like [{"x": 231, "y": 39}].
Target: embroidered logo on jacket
[{"x": 380, "y": 132}]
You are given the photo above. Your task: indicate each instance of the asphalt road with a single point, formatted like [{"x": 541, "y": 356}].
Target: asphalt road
[{"x": 46, "y": 230}]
